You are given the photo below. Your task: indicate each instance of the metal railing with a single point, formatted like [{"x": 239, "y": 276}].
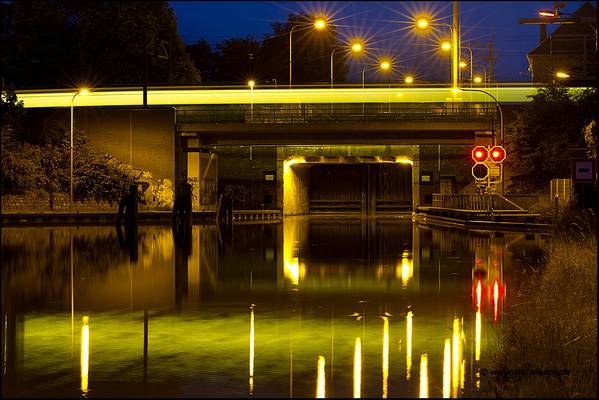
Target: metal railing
[
  {"x": 335, "y": 113},
  {"x": 475, "y": 202}
]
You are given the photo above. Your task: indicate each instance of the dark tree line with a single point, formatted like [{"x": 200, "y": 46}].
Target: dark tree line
[
  {"x": 238, "y": 59},
  {"x": 61, "y": 43},
  {"x": 546, "y": 135},
  {"x": 100, "y": 43}
]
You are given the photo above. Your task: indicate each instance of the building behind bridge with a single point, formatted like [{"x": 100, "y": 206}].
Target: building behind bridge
[{"x": 571, "y": 48}]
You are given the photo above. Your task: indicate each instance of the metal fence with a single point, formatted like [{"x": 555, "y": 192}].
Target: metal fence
[{"x": 335, "y": 113}]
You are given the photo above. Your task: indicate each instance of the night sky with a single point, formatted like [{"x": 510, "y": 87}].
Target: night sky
[{"x": 383, "y": 23}]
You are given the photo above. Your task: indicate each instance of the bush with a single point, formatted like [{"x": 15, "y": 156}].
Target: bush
[{"x": 552, "y": 324}]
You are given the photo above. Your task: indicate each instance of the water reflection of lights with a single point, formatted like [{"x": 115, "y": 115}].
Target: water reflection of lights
[
  {"x": 320, "y": 385},
  {"x": 405, "y": 271},
  {"x": 251, "y": 379},
  {"x": 385, "y": 356},
  {"x": 495, "y": 299},
  {"x": 456, "y": 356},
  {"x": 477, "y": 336},
  {"x": 292, "y": 270},
  {"x": 358, "y": 368},
  {"x": 447, "y": 369},
  {"x": 409, "y": 344},
  {"x": 478, "y": 294},
  {"x": 85, "y": 355},
  {"x": 423, "y": 376}
]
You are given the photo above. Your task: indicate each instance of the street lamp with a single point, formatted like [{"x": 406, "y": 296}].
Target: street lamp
[
  {"x": 471, "y": 62},
  {"x": 82, "y": 92},
  {"x": 423, "y": 24},
  {"x": 409, "y": 80},
  {"x": 356, "y": 47},
  {"x": 384, "y": 65},
  {"x": 477, "y": 79},
  {"x": 319, "y": 25},
  {"x": 498, "y": 106},
  {"x": 562, "y": 75},
  {"x": 251, "y": 84}
]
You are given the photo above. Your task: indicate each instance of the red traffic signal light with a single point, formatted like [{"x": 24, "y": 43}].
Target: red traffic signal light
[
  {"x": 497, "y": 154},
  {"x": 480, "y": 154},
  {"x": 480, "y": 171}
]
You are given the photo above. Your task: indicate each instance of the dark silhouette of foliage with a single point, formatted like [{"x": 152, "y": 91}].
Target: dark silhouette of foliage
[
  {"x": 546, "y": 131},
  {"x": 96, "y": 43}
]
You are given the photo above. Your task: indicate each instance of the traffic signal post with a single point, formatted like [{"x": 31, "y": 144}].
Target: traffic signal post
[{"x": 488, "y": 167}]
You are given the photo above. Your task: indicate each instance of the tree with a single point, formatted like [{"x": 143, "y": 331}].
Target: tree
[
  {"x": 311, "y": 51},
  {"x": 239, "y": 60},
  {"x": 100, "y": 43},
  {"x": 204, "y": 59},
  {"x": 545, "y": 130}
]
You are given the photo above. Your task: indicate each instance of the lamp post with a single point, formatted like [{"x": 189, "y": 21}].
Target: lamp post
[
  {"x": 484, "y": 72},
  {"x": 251, "y": 84},
  {"x": 81, "y": 92},
  {"x": 356, "y": 47},
  {"x": 319, "y": 24},
  {"x": 498, "y": 106},
  {"x": 424, "y": 23},
  {"x": 471, "y": 65}
]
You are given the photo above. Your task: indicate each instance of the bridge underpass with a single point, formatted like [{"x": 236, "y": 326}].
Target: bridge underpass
[{"x": 331, "y": 158}]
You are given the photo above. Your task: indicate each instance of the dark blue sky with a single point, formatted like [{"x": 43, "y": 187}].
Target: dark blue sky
[{"x": 381, "y": 22}]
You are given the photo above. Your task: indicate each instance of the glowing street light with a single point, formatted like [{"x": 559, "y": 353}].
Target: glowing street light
[
  {"x": 355, "y": 47},
  {"x": 251, "y": 84},
  {"x": 547, "y": 13},
  {"x": 445, "y": 46},
  {"x": 463, "y": 64},
  {"x": 385, "y": 65},
  {"x": 82, "y": 92},
  {"x": 409, "y": 79},
  {"x": 477, "y": 79},
  {"x": 562, "y": 75},
  {"x": 422, "y": 23},
  {"x": 319, "y": 24}
]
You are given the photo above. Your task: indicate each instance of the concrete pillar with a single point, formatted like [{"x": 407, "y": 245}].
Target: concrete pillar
[
  {"x": 180, "y": 157},
  {"x": 415, "y": 177}
]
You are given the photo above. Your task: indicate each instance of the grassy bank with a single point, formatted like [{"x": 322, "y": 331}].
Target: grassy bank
[{"x": 551, "y": 323}]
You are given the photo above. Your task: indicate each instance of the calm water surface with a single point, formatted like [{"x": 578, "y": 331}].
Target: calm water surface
[{"x": 303, "y": 308}]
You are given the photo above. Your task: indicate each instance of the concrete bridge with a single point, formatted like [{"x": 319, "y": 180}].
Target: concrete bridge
[{"x": 391, "y": 141}]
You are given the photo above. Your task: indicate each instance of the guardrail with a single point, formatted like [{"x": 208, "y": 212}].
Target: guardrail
[{"x": 335, "y": 113}]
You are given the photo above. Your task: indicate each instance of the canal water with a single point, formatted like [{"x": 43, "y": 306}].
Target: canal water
[{"x": 311, "y": 307}]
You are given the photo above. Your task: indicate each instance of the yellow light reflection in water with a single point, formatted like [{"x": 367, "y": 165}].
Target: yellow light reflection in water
[
  {"x": 85, "y": 355},
  {"x": 478, "y": 294},
  {"x": 423, "y": 376},
  {"x": 407, "y": 269},
  {"x": 462, "y": 374},
  {"x": 251, "y": 380},
  {"x": 477, "y": 336},
  {"x": 292, "y": 270},
  {"x": 447, "y": 369},
  {"x": 409, "y": 344},
  {"x": 495, "y": 300},
  {"x": 385, "y": 356},
  {"x": 358, "y": 368},
  {"x": 455, "y": 364},
  {"x": 321, "y": 384}
]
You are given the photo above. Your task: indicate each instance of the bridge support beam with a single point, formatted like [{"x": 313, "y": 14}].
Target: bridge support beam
[{"x": 415, "y": 177}]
